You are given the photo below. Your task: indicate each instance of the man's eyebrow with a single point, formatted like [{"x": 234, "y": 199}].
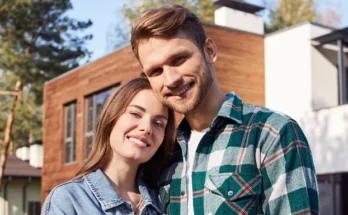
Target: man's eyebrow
[
  {"x": 159, "y": 116},
  {"x": 169, "y": 58}
]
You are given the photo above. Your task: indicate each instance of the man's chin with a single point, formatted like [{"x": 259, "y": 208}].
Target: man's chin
[{"x": 180, "y": 107}]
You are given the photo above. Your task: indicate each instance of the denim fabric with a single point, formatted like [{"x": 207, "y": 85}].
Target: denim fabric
[{"x": 93, "y": 194}]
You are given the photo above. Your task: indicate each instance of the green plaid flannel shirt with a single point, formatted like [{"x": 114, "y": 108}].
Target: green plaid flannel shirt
[{"x": 251, "y": 161}]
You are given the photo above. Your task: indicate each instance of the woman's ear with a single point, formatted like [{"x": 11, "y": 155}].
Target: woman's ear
[{"x": 210, "y": 50}]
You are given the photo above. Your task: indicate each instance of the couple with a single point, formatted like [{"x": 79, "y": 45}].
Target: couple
[{"x": 227, "y": 157}]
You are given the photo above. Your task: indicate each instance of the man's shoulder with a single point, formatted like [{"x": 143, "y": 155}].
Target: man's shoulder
[{"x": 256, "y": 115}]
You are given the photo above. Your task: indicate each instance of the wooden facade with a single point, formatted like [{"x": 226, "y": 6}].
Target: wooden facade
[{"x": 239, "y": 67}]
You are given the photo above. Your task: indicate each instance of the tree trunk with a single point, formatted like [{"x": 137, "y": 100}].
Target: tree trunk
[
  {"x": 11, "y": 147},
  {"x": 8, "y": 131}
]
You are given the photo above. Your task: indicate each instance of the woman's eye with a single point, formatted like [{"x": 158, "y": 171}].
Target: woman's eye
[
  {"x": 158, "y": 124},
  {"x": 135, "y": 114}
]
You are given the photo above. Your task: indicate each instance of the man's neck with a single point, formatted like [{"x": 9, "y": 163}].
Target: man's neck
[{"x": 203, "y": 115}]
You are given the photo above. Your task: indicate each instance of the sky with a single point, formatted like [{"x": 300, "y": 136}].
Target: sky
[{"x": 106, "y": 13}]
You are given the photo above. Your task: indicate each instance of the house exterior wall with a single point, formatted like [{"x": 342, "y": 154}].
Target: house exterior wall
[
  {"x": 324, "y": 75},
  {"x": 240, "y": 67},
  {"x": 13, "y": 204},
  {"x": 288, "y": 71},
  {"x": 326, "y": 131},
  {"x": 302, "y": 83}
]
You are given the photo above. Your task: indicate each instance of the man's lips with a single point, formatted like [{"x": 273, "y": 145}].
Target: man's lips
[{"x": 180, "y": 91}]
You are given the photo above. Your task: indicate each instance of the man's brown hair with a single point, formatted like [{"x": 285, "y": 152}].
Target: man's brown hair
[{"x": 165, "y": 22}]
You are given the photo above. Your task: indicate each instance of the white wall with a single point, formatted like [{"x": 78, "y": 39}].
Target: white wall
[
  {"x": 327, "y": 133},
  {"x": 14, "y": 205},
  {"x": 239, "y": 20},
  {"x": 288, "y": 71},
  {"x": 324, "y": 76},
  {"x": 14, "y": 198}
]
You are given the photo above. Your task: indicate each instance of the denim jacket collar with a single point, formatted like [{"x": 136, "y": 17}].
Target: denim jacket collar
[{"x": 109, "y": 198}]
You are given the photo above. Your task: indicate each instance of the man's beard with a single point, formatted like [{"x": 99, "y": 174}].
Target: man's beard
[{"x": 200, "y": 91}]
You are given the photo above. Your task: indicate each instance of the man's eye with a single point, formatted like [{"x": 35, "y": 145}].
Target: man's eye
[
  {"x": 156, "y": 72},
  {"x": 178, "y": 61}
]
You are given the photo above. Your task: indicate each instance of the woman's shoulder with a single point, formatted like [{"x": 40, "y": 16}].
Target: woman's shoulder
[
  {"x": 61, "y": 197},
  {"x": 70, "y": 187}
]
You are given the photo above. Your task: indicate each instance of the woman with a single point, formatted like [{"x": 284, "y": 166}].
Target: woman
[{"x": 133, "y": 141}]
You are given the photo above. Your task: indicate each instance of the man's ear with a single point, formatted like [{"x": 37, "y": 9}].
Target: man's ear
[{"x": 210, "y": 50}]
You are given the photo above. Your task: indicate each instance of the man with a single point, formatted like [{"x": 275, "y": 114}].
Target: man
[{"x": 231, "y": 157}]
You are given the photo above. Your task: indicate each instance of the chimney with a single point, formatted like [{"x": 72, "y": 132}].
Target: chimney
[
  {"x": 36, "y": 155},
  {"x": 22, "y": 152},
  {"x": 239, "y": 15}
]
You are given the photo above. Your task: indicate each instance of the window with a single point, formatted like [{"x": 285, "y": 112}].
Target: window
[
  {"x": 94, "y": 104},
  {"x": 70, "y": 132},
  {"x": 34, "y": 208}
]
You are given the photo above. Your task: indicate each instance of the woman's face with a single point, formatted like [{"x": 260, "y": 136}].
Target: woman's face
[{"x": 139, "y": 131}]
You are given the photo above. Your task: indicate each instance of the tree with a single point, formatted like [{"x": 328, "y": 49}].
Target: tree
[
  {"x": 130, "y": 11},
  {"x": 290, "y": 12},
  {"x": 38, "y": 42}
]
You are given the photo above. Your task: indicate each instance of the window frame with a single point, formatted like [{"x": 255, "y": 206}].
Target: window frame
[
  {"x": 70, "y": 142},
  {"x": 90, "y": 133}
]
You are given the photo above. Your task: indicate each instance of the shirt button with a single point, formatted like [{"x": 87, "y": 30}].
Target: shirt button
[
  {"x": 182, "y": 192},
  {"x": 230, "y": 193}
]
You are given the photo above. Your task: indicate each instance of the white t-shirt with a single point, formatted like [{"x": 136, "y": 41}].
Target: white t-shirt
[{"x": 191, "y": 151}]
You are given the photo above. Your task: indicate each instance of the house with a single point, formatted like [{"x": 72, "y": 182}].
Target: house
[
  {"x": 300, "y": 71},
  {"x": 21, "y": 185}
]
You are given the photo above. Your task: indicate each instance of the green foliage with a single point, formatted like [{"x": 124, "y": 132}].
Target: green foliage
[
  {"x": 203, "y": 8},
  {"x": 38, "y": 42},
  {"x": 290, "y": 12},
  {"x": 120, "y": 34}
]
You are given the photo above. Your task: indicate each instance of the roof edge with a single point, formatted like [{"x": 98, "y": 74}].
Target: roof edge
[
  {"x": 84, "y": 65},
  {"x": 298, "y": 25},
  {"x": 229, "y": 28}
]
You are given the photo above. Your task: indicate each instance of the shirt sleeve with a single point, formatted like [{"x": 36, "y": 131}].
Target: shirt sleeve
[{"x": 289, "y": 178}]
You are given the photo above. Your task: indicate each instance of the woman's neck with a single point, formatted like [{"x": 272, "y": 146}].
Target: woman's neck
[{"x": 122, "y": 176}]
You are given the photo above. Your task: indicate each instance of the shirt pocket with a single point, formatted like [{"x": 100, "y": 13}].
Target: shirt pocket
[{"x": 238, "y": 190}]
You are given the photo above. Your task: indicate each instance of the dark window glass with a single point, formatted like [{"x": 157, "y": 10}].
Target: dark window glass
[
  {"x": 94, "y": 104},
  {"x": 34, "y": 208}
]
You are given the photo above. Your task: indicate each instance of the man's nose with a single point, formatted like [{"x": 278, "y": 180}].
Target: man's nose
[{"x": 172, "y": 77}]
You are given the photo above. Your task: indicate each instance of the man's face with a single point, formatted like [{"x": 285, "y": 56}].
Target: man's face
[{"x": 177, "y": 70}]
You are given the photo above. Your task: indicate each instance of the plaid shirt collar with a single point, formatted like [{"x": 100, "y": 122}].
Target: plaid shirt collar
[{"x": 231, "y": 109}]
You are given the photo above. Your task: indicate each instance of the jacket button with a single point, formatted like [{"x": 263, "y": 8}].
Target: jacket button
[
  {"x": 230, "y": 193},
  {"x": 182, "y": 192}
]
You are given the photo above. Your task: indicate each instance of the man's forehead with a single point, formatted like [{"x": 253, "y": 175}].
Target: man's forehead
[{"x": 158, "y": 49}]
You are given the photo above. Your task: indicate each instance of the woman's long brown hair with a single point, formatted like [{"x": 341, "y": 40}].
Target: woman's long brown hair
[{"x": 115, "y": 106}]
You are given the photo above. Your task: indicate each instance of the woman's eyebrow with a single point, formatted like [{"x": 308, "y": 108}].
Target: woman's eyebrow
[{"x": 139, "y": 107}]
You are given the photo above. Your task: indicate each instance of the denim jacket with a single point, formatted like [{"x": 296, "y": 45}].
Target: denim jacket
[{"x": 93, "y": 194}]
